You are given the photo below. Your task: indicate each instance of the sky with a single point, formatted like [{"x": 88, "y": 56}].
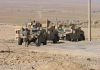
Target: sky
[{"x": 49, "y": 1}]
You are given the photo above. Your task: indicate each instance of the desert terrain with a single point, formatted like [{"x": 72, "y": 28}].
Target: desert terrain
[{"x": 64, "y": 55}]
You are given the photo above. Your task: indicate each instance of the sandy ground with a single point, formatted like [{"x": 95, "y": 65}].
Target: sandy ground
[{"x": 62, "y": 56}]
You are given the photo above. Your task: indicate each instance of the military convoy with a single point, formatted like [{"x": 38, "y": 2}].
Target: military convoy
[
  {"x": 34, "y": 32},
  {"x": 69, "y": 32}
]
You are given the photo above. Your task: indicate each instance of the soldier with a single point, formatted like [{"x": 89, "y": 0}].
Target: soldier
[
  {"x": 77, "y": 34},
  {"x": 25, "y": 37},
  {"x": 73, "y": 32},
  {"x": 33, "y": 23},
  {"x": 54, "y": 35},
  {"x": 81, "y": 34},
  {"x": 42, "y": 37}
]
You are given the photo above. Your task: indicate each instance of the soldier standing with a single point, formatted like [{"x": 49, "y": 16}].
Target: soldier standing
[
  {"x": 73, "y": 32},
  {"x": 25, "y": 37}
]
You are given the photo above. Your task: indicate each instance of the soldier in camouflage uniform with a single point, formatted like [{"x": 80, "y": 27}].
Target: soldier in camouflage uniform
[
  {"x": 81, "y": 34},
  {"x": 53, "y": 35},
  {"x": 25, "y": 37}
]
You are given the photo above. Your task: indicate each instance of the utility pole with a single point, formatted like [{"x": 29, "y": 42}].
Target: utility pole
[{"x": 89, "y": 20}]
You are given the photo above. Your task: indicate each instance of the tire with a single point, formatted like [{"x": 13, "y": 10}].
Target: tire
[
  {"x": 68, "y": 37},
  {"x": 38, "y": 42},
  {"x": 55, "y": 39},
  {"x": 58, "y": 38},
  {"x": 45, "y": 43},
  {"x": 26, "y": 44},
  {"x": 82, "y": 37},
  {"x": 20, "y": 41}
]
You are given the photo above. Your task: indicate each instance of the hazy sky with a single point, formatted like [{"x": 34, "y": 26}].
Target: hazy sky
[
  {"x": 49, "y": 1},
  {"x": 46, "y": 2}
]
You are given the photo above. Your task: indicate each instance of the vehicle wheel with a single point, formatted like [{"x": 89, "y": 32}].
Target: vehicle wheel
[
  {"x": 55, "y": 39},
  {"x": 20, "y": 41},
  {"x": 82, "y": 37},
  {"x": 68, "y": 37},
  {"x": 45, "y": 43},
  {"x": 38, "y": 42},
  {"x": 26, "y": 44}
]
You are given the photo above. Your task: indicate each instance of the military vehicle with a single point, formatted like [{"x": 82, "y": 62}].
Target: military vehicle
[
  {"x": 76, "y": 34},
  {"x": 53, "y": 33},
  {"x": 69, "y": 32},
  {"x": 61, "y": 29},
  {"x": 36, "y": 34}
]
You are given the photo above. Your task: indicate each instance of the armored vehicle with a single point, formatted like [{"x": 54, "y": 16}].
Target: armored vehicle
[
  {"x": 67, "y": 32},
  {"x": 76, "y": 34},
  {"x": 32, "y": 32},
  {"x": 53, "y": 33}
]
